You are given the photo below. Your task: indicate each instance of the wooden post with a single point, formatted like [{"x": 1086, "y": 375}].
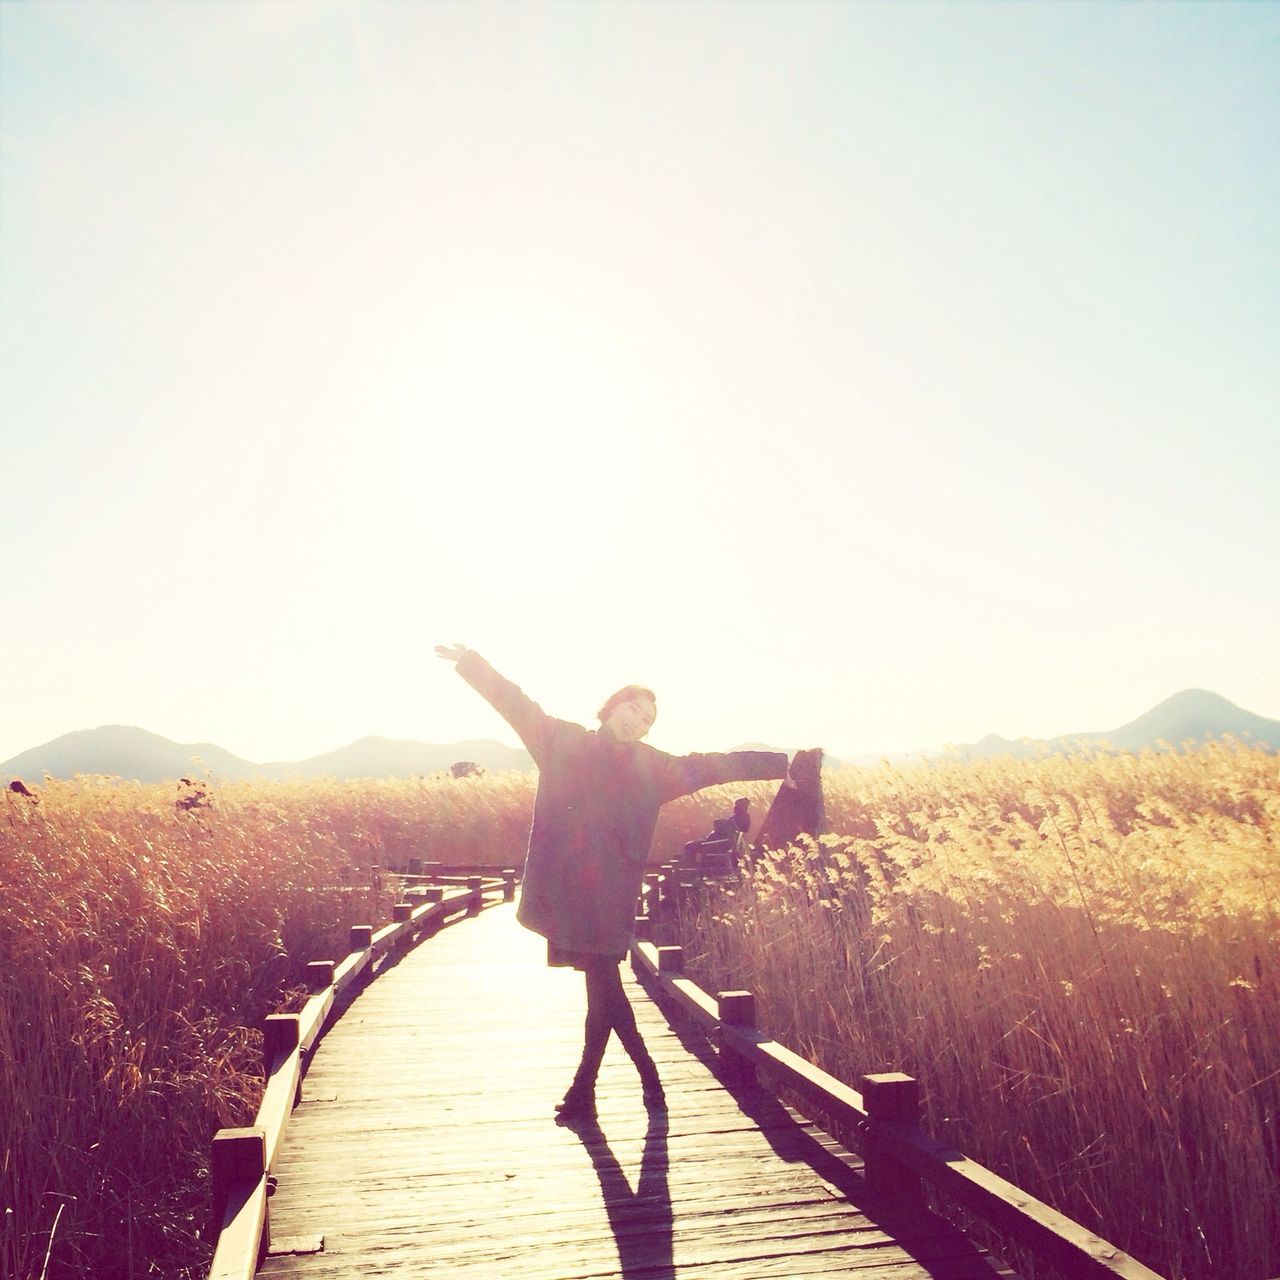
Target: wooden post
[
  {"x": 279, "y": 1038},
  {"x": 319, "y": 975},
  {"x": 643, "y": 929},
  {"x": 647, "y": 902},
  {"x": 736, "y": 1009},
  {"x": 401, "y": 911},
  {"x": 509, "y": 884},
  {"x": 415, "y": 866},
  {"x": 238, "y": 1161},
  {"x": 361, "y": 937},
  {"x": 433, "y": 894},
  {"x": 670, "y": 959},
  {"x": 893, "y": 1098},
  {"x": 474, "y": 887},
  {"x": 670, "y": 890},
  {"x": 375, "y": 876}
]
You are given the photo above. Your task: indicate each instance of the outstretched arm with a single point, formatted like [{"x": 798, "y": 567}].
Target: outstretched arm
[
  {"x": 691, "y": 773},
  {"x": 512, "y": 703}
]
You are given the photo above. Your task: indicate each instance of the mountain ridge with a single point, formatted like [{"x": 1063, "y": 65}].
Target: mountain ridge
[
  {"x": 1192, "y": 715},
  {"x": 126, "y": 751},
  {"x": 135, "y": 754}
]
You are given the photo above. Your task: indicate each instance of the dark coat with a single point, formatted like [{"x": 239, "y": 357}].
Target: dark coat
[{"x": 594, "y": 815}]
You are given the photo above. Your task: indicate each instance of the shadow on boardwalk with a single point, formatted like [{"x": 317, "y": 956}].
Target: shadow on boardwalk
[
  {"x": 426, "y": 1146},
  {"x": 641, "y": 1219}
]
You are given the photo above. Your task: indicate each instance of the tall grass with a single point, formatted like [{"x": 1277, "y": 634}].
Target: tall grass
[
  {"x": 1077, "y": 958},
  {"x": 144, "y": 933}
]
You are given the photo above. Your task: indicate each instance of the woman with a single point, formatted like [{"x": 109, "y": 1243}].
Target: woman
[{"x": 599, "y": 792}]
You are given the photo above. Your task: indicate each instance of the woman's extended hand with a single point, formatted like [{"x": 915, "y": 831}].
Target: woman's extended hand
[
  {"x": 450, "y": 652},
  {"x": 805, "y": 766}
]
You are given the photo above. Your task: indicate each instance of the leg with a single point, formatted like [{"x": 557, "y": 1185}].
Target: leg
[
  {"x": 622, "y": 1019},
  {"x": 579, "y": 1102}
]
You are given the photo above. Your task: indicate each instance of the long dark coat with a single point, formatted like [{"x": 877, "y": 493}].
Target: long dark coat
[{"x": 594, "y": 815}]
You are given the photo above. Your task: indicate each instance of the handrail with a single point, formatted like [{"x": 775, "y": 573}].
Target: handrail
[
  {"x": 423, "y": 869},
  {"x": 243, "y": 1159},
  {"x": 884, "y": 1114}
]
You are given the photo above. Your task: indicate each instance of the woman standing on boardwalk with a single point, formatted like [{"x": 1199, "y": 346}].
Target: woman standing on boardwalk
[{"x": 599, "y": 792}]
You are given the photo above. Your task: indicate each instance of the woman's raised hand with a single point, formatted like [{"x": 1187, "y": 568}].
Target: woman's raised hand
[{"x": 450, "y": 652}]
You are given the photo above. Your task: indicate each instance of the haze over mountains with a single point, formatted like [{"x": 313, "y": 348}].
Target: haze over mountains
[
  {"x": 1193, "y": 715},
  {"x": 137, "y": 755}
]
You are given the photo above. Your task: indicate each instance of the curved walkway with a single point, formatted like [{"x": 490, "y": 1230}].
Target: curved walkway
[{"x": 425, "y": 1147}]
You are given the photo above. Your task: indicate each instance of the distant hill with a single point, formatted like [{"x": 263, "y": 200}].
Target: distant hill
[
  {"x": 1194, "y": 715},
  {"x": 126, "y": 752},
  {"x": 397, "y": 758},
  {"x": 135, "y": 754}
]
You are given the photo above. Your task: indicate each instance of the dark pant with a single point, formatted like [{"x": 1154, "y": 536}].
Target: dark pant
[{"x": 608, "y": 1009}]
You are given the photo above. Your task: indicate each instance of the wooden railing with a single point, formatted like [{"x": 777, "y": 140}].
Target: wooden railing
[
  {"x": 883, "y": 1114},
  {"x": 243, "y": 1159}
]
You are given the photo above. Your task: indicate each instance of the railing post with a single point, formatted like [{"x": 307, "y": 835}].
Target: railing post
[
  {"x": 736, "y": 1009},
  {"x": 401, "y": 911},
  {"x": 319, "y": 974},
  {"x": 643, "y": 929},
  {"x": 670, "y": 959},
  {"x": 670, "y": 890},
  {"x": 509, "y": 884},
  {"x": 279, "y": 1038},
  {"x": 893, "y": 1098},
  {"x": 475, "y": 886},
  {"x": 415, "y": 866},
  {"x": 238, "y": 1162},
  {"x": 649, "y": 901},
  {"x": 361, "y": 937}
]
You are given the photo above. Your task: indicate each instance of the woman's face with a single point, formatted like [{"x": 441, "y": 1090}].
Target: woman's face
[{"x": 629, "y": 721}]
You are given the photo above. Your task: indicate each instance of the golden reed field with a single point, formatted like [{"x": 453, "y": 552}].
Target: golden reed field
[{"x": 1076, "y": 956}]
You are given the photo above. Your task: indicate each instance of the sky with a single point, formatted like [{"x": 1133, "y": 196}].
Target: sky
[{"x": 872, "y": 376}]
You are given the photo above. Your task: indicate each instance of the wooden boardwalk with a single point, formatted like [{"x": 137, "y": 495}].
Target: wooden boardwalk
[{"x": 425, "y": 1147}]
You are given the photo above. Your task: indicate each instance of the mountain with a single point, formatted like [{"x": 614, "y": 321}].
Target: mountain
[
  {"x": 395, "y": 758},
  {"x": 1194, "y": 715},
  {"x": 126, "y": 752}
]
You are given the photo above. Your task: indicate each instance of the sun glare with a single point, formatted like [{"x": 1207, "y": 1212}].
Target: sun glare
[{"x": 507, "y": 429}]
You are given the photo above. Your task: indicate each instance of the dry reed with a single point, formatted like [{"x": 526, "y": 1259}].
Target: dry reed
[
  {"x": 144, "y": 933},
  {"x": 1077, "y": 957}
]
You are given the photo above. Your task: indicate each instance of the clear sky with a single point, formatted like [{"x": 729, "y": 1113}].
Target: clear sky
[{"x": 872, "y": 376}]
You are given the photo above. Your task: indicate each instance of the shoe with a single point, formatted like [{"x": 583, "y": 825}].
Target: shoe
[{"x": 576, "y": 1107}]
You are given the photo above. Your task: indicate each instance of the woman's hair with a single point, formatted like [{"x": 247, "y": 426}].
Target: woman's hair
[{"x": 625, "y": 695}]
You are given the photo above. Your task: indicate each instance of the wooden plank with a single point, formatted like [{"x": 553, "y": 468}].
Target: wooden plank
[
  {"x": 277, "y": 1104},
  {"x": 1018, "y": 1214},
  {"x": 238, "y": 1241},
  {"x": 312, "y": 1018},
  {"x": 439, "y": 1155},
  {"x": 690, "y": 998}
]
